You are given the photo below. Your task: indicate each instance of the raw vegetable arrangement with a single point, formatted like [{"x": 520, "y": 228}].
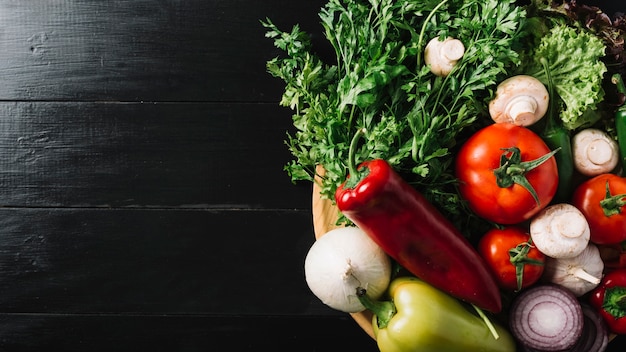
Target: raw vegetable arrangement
[{"x": 474, "y": 154}]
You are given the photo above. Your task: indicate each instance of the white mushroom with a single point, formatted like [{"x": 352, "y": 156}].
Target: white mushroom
[
  {"x": 579, "y": 274},
  {"x": 442, "y": 56},
  {"x": 521, "y": 100},
  {"x": 560, "y": 231},
  {"x": 595, "y": 152}
]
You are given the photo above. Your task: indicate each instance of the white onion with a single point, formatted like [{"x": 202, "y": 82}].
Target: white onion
[{"x": 342, "y": 260}]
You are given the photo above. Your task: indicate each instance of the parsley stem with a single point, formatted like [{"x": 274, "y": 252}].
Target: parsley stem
[
  {"x": 352, "y": 167},
  {"x": 423, "y": 31},
  {"x": 351, "y": 116}
]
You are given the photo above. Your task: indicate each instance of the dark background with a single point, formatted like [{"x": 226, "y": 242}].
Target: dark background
[{"x": 143, "y": 202}]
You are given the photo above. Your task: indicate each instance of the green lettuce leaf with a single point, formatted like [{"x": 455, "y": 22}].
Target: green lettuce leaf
[{"x": 574, "y": 60}]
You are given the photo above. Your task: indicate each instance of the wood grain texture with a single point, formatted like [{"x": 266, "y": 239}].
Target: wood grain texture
[
  {"x": 141, "y": 155},
  {"x": 142, "y": 50},
  {"x": 133, "y": 333},
  {"x": 118, "y": 261},
  {"x": 105, "y": 154}
]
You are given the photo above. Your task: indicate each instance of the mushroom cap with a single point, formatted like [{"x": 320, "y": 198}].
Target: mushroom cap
[
  {"x": 594, "y": 152},
  {"x": 442, "y": 56},
  {"x": 560, "y": 231},
  {"x": 520, "y": 99}
]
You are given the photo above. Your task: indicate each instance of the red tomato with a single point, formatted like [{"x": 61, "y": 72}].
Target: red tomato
[
  {"x": 502, "y": 202},
  {"x": 604, "y": 212},
  {"x": 514, "y": 261}
]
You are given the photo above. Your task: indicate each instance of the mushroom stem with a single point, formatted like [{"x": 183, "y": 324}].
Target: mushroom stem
[
  {"x": 595, "y": 152},
  {"x": 599, "y": 151},
  {"x": 522, "y": 109},
  {"x": 520, "y": 99}
]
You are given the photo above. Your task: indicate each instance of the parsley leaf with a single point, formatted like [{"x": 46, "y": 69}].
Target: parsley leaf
[{"x": 378, "y": 81}]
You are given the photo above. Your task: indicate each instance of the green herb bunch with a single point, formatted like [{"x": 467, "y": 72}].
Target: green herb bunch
[{"x": 379, "y": 81}]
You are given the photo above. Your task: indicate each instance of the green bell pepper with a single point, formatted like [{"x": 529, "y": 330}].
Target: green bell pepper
[{"x": 419, "y": 317}]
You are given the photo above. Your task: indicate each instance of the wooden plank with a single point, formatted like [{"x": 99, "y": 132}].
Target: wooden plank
[
  {"x": 142, "y": 50},
  {"x": 95, "y": 261},
  {"x": 179, "y": 333},
  {"x": 98, "y": 154}
]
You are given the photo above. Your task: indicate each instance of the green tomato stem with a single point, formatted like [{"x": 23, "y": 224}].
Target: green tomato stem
[
  {"x": 612, "y": 205},
  {"x": 513, "y": 170},
  {"x": 519, "y": 258}
]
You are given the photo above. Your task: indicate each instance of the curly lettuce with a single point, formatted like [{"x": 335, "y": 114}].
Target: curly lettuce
[{"x": 574, "y": 59}]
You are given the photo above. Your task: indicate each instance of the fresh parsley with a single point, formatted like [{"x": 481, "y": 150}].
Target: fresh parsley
[{"x": 378, "y": 81}]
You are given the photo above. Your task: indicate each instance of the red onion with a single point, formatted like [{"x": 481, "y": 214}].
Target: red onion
[
  {"x": 594, "y": 337},
  {"x": 546, "y": 317}
]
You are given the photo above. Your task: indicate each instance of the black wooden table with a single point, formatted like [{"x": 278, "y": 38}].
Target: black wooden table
[{"x": 143, "y": 202}]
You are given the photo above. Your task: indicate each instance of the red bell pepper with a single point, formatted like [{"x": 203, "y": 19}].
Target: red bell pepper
[
  {"x": 415, "y": 233},
  {"x": 609, "y": 298}
]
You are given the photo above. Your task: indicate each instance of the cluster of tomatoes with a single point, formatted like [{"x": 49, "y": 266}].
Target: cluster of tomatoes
[{"x": 521, "y": 190}]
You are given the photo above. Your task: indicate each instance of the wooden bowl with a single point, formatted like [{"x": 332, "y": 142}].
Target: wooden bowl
[{"x": 325, "y": 215}]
